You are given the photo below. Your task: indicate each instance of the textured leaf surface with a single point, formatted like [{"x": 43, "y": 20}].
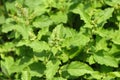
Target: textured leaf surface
[
  {"x": 25, "y": 75},
  {"x": 101, "y": 58},
  {"x": 78, "y": 68},
  {"x": 59, "y": 17},
  {"x": 37, "y": 69},
  {"x": 39, "y": 46},
  {"x": 84, "y": 16},
  {"x": 52, "y": 67}
]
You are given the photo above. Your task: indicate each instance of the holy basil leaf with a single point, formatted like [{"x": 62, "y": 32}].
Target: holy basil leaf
[
  {"x": 41, "y": 22},
  {"x": 52, "y": 68},
  {"x": 116, "y": 37},
  {"x": 102, "y": 58},
  {"x": 8, "y": 27},
  {"x": 2, "y": 19},
  {"x": 77, "y": 68},
  {"x": 25, "y": 75},
  {"x": 37, "y": 69},
  {"x": 104, "y": 15},
  {"x": 6, "y": 65},
  {"x": 80, "y": 10},
  {"x": 38, "y": 46},
  {"x": 101, "y": 44},
  {"x": 59, "y": 17},
  {"x": 59, "y": 78},
  {"x": 23, "y": 30}
]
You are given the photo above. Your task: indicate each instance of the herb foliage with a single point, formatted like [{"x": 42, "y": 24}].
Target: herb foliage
[{"x": 60, "y": 39}]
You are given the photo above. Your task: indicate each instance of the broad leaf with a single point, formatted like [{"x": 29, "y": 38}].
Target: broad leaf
[
  {"x": 104, "y": 15},
  {"x": 84, "y": 16},
  {"x": 41, "y": 22},
  {"x": 8, "y": 27},
  {"x": 23, "y": 30},
  {"x": 116, "y": 37},
  {"x": 102, "y": 58},
  {"x": 76, "y": 68},
  {"x": 25, "y": 75},
  {"x": 59, "y": 17},
  {"x": 59, "y": 78},
  {"x": 38, "y": 46},
  {"x": 52, "y": 68},
  {"x": 37, "y": 69},
  {"x": 6, "y": 65}
]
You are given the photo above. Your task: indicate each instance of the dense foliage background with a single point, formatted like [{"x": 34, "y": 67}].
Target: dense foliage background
[{"x": 60, "y": 39}]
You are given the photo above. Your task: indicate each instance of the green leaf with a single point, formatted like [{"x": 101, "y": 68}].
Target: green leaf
[
  {"x": 8, "y": 27},
  {"x": 6, "y": 65},
  {"x": 37, "y": 69},
  {"x": 112, "y": 2},
  {"x": 59, "y": 17},
  {"x": 23, "y": 30},
  {"x": 8, "y": 46},
  {"x": 38, "y": 46},
  {"x": 52, "y": 68},
  {"x": 4, "y": 70},
  {"x": 75, "y": 44},
  {"x": 57, "y": 32},
  {"x": 116, "y": 37},
  {"x": 76, "y": 68},
  {"x": 91, "y": 60},
  {"x": 104, "y": 58},
  {"x": 64, "y": 57},
  {"x": 21, "y": 64},
  {"x": 114, "y": 74},
  {"x": 2, "y": 19},
  {"x": 42, "y": 32},
  {"x": 114, "y": 50},
  {"x": 11, "y": 7},
  {"x": 81, "y": 11},
  {"x": 67, "y": 32},
  {"x": 78, "y": 40},
  {"x": 41, "y": 22},
  {"x": 38, "y": 11},
  {"x": 96, "y": 75},
  {"x": 25, "y": 75},
  {"x": 34, "y": 3},
  {"x": 101, "y": 44},
  {"x": 104, "y": 15},
  {"x": 58, "y": 78},
  {"x": 104, "y": 33}
]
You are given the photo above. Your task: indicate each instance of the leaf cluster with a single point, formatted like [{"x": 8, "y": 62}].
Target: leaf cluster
[{"x": 60, "y": 39}]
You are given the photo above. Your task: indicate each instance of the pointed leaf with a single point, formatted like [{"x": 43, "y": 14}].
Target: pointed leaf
[
  {"x": 80, "y": 10},
  {"x": 59, "y": 17},
  {"x": 25, "y": 75},
  {"x": 37, "y": 69},
  {"x": 8, "y": 27},
  {"x": 52, "y": 68},
  {"x": 42, "y": 22},
  {"x": 104, "y": 15},
  {"x": 78, "y": 68},
  {"x": 38, "y": 46},
  {"x": 101, "y": 58}
]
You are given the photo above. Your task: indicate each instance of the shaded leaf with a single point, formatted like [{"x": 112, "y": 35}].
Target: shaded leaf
[{"x": 37, "y": 69}]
